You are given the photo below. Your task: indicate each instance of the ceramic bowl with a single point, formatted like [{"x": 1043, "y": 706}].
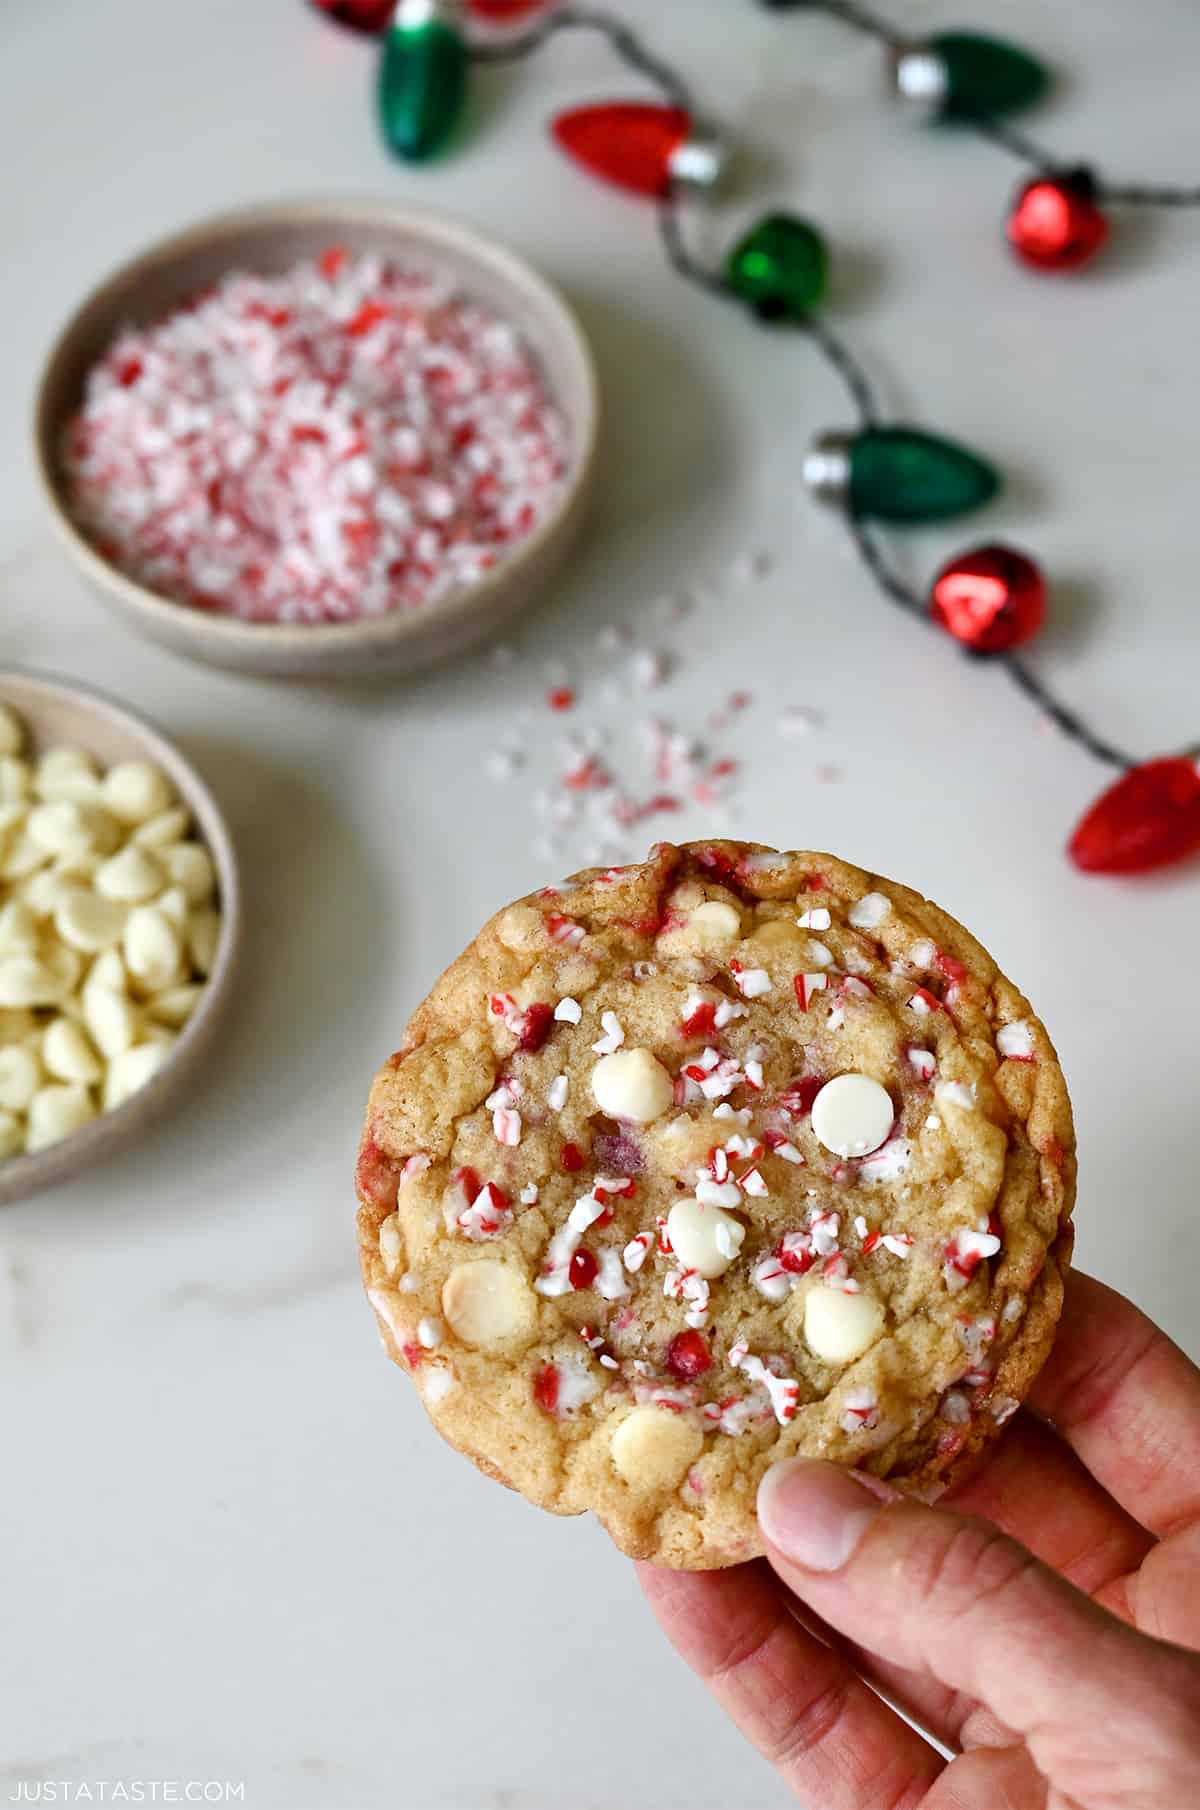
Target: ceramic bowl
[
  {"x": 58, "y": 712},
  {"x": 268, "y": 240}
]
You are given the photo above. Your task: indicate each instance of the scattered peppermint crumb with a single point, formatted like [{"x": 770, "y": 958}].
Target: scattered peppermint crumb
[
  {"x": 501, "y": 764},
  {"x": 648, "y": 668},
  {"x": 798, "y": 719},
  {"x": 750, "y": 565}
]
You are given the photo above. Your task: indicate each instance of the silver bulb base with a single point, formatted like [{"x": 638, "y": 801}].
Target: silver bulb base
[
  {"x": 699, "y": 162},
  {"x": 920, "y": 80},
  {"x": 414, "y": 15},
  {"x": 826, "y": 468}
]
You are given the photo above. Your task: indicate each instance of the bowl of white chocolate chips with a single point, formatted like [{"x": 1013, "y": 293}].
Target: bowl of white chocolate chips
[{"x": 119, "y": 921}]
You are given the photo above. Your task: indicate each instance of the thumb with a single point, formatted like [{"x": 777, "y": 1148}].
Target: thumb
[{"x": 957, "y": 1600}]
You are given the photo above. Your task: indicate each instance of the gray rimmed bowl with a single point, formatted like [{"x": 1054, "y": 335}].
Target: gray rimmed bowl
[
  {"x": 59, "y": 712},
  {"x": 266, "y": 240}
]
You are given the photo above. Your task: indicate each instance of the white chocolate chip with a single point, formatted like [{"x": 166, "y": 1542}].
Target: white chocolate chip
[
  {"x": 159, "y": 832},
  {"x": 68, "y": 1055},
  {"x": 157, "y": 1034},
  {"x": 88, "y": 922},
  {"x": 852, "y": 1115},
  {"x": 20, "y": 1077},
  {"x": 632, "y": 1084},
  {"x": 131, "y": 877},
  {"x": 174, "y": 905},
  {"x": 839, "y": 1327},
  {"x": 45, "y": 890},
  {"x": 55, "y": 1112},
  {"x": 22, "y": 857},
  {"x": 131, "y": 1070},
  {"x": 488, "y": 1304},
  {"x": 176, "y": 1005},
  {"x": 16, "y": 779},
  {"x": 64, "y": 828},
  {"x": 12, "y": 731},
  {"x": 27, "y": 980},
  {"x": 869, "y": 912},
  {"x": 189, "y": 865},
  {"x": 152, "y": 949},
  {"x": 107, "y": 971},
  {"x": 704, "y": 1239},
  {"x": 653, "y": 1448},
  {"x": 67, "y": 773},
  {"x": 136, "y": 791},
  {"x": 18, "y": 929},
  {"x": 568, "y": 1011},
  {"x": 715, "y": 922},
  {"x": 111, "y": 1019}
]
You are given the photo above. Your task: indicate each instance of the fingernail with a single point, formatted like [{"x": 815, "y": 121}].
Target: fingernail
[{"x": 817, "y": 1513}]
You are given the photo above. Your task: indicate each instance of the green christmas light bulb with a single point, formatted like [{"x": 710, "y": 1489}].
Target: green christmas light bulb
[
  {"x": 964, "y": 75},
  {"x": 779, "y": 267},
  {"x": 422, "y": 77},
  {"x": 898, "y": 474}
]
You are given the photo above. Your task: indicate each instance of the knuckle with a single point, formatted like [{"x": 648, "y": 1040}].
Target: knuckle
[
  {"x": 812, "y": 1725},
  {"x": 960, "y": 1565},
  {"x": 741, "y": 1651}
]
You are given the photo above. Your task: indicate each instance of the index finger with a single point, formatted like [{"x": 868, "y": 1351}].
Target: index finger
[
  {"x": 1128, "y": 1401},
  {"x": 832, "y": 1739}
]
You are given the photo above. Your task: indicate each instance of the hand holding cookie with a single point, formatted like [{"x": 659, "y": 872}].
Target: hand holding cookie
[{"x": 1042, "y": 1622}]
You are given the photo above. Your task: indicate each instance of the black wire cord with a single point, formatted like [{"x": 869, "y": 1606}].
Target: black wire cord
[
  {"x": 999, "y": 132},
  {"x": 623, "y": 39},
  {"x": 849, "y": 12},
  {"x": 857, "y": 386},
  {"x": 630, "y": 49}
]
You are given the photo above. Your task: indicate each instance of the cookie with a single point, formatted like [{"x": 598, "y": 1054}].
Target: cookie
[{"x": 687, "y": 1167}]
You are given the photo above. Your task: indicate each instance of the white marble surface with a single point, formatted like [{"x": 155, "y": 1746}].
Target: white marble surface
[{"x": 230, "y": 1545}]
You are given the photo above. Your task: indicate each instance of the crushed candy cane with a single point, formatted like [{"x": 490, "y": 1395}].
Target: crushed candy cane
[
  {"x": 1015, "y": 1041},
  {"x": 784, "y": 1391},
  {"x": 350, "y": 437}
]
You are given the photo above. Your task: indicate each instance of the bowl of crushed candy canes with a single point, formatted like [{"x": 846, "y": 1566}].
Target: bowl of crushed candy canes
[{"x": 318, "y": 439}]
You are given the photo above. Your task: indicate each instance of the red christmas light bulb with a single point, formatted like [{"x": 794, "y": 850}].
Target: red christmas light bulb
[
  {"x": 630, "y": 143},
  {"x": 1149, "y": 818},
  {"x": 362, "y": 15},
  {"x": 1055, "y": 223},
  {"x": 991, "y": 599}
]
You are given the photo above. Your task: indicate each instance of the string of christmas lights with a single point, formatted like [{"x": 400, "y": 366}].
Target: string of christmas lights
[
  {"x": 992, "y": 598},
  {"x": 1056, "y": 221}
]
